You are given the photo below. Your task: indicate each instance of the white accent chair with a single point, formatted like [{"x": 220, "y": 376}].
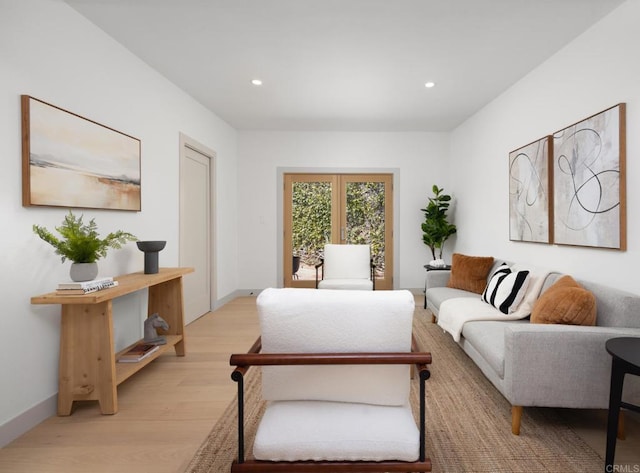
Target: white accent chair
[
  {"x": 346, "y": 267},
  {"x": 336, "y": 375}
]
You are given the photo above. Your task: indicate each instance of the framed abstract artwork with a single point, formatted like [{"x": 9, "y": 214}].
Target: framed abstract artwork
[
  {"x": 589, "y": 175},
  {"x": 529, "y": 181},
  {"x": 70, "y": 161}
]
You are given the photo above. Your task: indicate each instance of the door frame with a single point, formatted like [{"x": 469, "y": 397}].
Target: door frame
[
  {"x": 188, "y": 142},
  {"x": 281, "y": 171}
]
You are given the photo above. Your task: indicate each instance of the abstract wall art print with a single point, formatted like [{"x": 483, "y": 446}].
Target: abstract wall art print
[
  {"x": 70, "y": 161},
  {"x": 589, "y": 181},
  {"x": 529, "y": 192}
]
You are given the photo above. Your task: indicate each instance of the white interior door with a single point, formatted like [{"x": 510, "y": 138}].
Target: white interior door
[{"x": 195, "y": 230}]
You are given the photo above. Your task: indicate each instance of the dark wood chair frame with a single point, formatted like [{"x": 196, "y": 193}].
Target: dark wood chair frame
[
  {"x": 243, "y": 362},
  {"x": 320, "y": 266}
]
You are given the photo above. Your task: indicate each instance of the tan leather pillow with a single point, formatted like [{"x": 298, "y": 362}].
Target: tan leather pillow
[
  {"x": 565, "y": 302},
  {"x": 470, "y": 272}
]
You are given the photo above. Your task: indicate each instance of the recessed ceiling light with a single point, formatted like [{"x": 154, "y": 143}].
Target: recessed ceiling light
[
  {"x": 256, "y": 82},
  {"x": 428, "y": 85}
]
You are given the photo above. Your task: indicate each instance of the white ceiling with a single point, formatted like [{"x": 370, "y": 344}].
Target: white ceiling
[{"x": 352, "y": 65}]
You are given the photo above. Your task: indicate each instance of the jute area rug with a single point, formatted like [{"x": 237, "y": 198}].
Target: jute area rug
[{"x": 468, "y": 422}]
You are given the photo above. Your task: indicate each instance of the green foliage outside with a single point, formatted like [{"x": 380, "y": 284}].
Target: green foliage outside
[
  {"x": 311, "y": 228},
  {"x": 365, "y": 218},
  {"x": 80, "y": 242},
  {"x": 436, "y": 227}
]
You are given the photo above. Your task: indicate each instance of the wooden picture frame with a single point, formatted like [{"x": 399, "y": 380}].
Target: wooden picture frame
[
  {"x": 71, "y": 161},
  {"x": 530, "y": 208},
  {"x": 589, "y": 181}
]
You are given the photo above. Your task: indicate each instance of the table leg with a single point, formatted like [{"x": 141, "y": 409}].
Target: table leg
[
  {"x": 87, "y": 364},
  {"x": 425, "y": 293},
  {"x": 615, "y": 397}
]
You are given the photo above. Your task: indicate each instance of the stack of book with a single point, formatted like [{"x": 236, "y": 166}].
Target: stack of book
[
  {"x": 138, "y": 352},
  {"x": 85, "y": 287}
]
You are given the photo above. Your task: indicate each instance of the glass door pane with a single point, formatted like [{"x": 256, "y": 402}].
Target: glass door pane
[
  {"x": 367, "y": 216},
  {"x": 310, "y": 215},
  {"x": 310, "y": 227}
]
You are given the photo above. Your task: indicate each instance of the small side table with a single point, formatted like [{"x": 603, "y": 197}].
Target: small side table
[
  {"x": 626, "y": 359},
  {"x": 428, "y": 267}
]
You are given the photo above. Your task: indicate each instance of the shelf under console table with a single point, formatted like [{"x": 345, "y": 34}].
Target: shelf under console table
[{"x": 88, "y": 369}]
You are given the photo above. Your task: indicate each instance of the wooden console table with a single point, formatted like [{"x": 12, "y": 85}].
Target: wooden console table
[{"x": 88, "y": 369}]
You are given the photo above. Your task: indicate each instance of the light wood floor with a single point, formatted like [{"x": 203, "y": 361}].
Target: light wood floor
[{"x": 167, "y": 409}]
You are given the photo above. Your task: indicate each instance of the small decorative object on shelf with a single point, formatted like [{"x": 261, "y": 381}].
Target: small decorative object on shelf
[
  {"x": 437, "y": 263},
  {"x": 151, "y": 250},
  {"x": 85, "y": 288},
  {"x": 82, "y": 245},
  {"x": 150, "y": 335},
  {"x": 85, "y": 284},
  {"x": 138, "y": 352}
]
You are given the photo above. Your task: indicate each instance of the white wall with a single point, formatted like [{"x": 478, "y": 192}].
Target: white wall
[
  {"x": 420, "y": 157},
  {"x": 594, "y": 72},
  {"x": 49, "y": 51}
]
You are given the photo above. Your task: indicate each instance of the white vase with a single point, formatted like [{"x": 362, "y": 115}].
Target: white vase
[{"x": 83, "y": 271}]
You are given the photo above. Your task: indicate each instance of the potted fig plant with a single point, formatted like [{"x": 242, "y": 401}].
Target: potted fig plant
[
  {"x": 436, "y": 227},
  {"x": 81, "y": 244}
]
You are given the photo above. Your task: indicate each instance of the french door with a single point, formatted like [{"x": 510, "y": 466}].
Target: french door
[{"x": 336, "y": 208}]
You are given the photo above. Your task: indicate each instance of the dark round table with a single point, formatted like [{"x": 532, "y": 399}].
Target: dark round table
[{"x": 625, "y": 352}]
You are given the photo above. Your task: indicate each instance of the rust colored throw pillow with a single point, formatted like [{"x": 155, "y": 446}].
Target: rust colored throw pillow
[
  {"x": 470, "y": 272},
  {"x": 565, "y": 302}
]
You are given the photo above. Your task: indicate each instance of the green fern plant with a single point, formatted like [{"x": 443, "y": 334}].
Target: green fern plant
[{"x": 80, "y": 242}]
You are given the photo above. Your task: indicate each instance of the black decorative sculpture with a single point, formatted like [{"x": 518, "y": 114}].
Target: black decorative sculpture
[{"x": 151, "y": 249}]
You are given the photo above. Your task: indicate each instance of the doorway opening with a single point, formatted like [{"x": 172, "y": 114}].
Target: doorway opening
[{"x": 336, "y": 208}]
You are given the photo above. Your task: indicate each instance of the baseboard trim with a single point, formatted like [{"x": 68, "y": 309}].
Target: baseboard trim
[
  {"x": 235, "y": 294},
  {"x": 11, "y": 430}
]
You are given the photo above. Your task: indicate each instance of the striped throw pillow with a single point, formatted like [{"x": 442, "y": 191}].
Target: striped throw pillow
[{"x": 506, "y": 289}]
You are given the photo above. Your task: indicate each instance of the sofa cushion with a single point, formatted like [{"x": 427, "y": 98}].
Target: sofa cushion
[
  {"x": 565, "y": 302},
  {"x": 487, "y": 337},
  {"x": 437, "y": 295},
  {"x": 616, "y": 308},
  {"x": 469, "y": 273},
  {"x": 506, "y": 289}
]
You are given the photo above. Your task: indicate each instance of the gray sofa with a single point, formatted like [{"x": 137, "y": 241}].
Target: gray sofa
[{"x": 547, "y": 365}]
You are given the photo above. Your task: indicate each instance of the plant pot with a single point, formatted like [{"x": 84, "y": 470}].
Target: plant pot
[{"x": 83, "y": 271}]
